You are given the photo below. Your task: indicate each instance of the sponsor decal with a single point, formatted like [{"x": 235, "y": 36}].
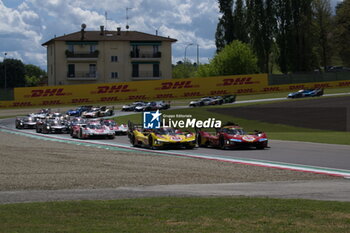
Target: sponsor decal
[
  {"x": 113, "y": 89},
  {"x": 220, "y": 92},
  {"x": 151, "y": 120},
  {"x": 137, "y": 97},
  {"x": 80, "y": 101},
  {"x": 237, "y": 81},
  {"x": 271, "y": 89},
  {"x": 344, "y": 84},
  {"x": 22, "y": 104},
  {"x": 191, "y": 94},
  {"x": 165, "y": 96},
  {"x": 51, "y": 102},
  {"x": 248, "y": 138},
  {"x": 296, "y": 87},
  {"x": 322, "y": 85},
  {"x": 176, "y": 85},
  {"x": 48, "y": 92},
  {"x": 109, "y": 99},
  {"x": 245, "y": 90}
]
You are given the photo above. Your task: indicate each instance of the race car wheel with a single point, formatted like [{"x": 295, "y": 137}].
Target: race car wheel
[
  {"x": 111, "y": 136},
  {"x": 222, "y": 143},
  {"x": 80, "y": 134},
  {"x": 151, "y": 142},
  {"x": 133, "y": 140},
  {"x": 199, "y": 141}
]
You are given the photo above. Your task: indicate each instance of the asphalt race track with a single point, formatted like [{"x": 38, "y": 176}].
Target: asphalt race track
[
  {"x": 300, "y": 156},
  {"x": 294, "y": 154}
]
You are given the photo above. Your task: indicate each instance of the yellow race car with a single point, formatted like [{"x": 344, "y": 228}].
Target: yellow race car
[{"x": 165, "y": 137}]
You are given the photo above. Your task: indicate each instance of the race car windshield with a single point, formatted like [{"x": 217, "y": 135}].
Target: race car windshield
[
  {"x": 236, "y": 131},
  {"x": 165, "y": 131},
  {"x": 94, "y": 126},
  {"x": 110, "y": 123}
]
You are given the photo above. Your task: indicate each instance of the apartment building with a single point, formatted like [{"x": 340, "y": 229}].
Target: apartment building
[{"x": 104, "y": 56}]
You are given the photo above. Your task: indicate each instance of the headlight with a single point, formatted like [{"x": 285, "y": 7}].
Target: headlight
[
  {"x": 235, "y": 140},
  {"x": 262, "y": 139}
]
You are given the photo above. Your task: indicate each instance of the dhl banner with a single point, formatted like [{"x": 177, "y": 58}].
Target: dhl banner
[{"x": 153, "y": 90}]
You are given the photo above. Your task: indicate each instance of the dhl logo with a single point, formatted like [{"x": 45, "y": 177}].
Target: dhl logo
[
  {"x": 48, "y": 92},
  {"x": 237, "y": 81},
  {"x": 176, "y": 85},
  {"x": 113, "y": 89}
]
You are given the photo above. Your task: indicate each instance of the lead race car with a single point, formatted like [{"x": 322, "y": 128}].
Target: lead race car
[
  {"x": 232, "y": 136},
  {"x": 164, "y": 137}
]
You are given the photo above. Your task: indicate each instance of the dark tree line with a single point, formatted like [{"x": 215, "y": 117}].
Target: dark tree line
[
  {"x": 298, "y": 35},
  {"x": 20, "y": 75}
]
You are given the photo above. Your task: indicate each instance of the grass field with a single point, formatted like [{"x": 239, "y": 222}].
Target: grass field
[
  {"x": 274, "y": 131},
  {"x": 178, "y": 215}
]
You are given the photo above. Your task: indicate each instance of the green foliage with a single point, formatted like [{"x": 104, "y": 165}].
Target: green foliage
[
  {"x": 235, "y": 58},
  {"x": 184, "y": 70},
  {"x": 342, "y": 31},
  {"x": 225, "y": 31},
  {"x": 33, "y": 75},
  {"x": 14, "y": 73}
]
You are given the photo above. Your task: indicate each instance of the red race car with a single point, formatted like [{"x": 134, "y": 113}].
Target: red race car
[{"x": 232, "y": 136}]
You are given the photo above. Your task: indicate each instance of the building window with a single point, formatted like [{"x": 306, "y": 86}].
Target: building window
[
  {"x": 114, "y": 58},
  {"x": 92, "y": 48},
  {"x": 114, "y": 75},
  {"x": 92, "y": 70},
  {"x": 71, "y": 70},
  {"x": 156, "y": 72},
  {"x": 71, "y": 48},
  {"x": 135, "y": 70}
]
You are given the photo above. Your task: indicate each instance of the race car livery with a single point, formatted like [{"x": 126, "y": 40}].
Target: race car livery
[
  {"x": 51, "y": 125},
  {"x": 27, "y": 122},
  {"x": 121, "y": 129},
  {"x": 306, "y": 93},
  {"x": 232, "y": 136},
  {"x": 92, "y": 129},
  {"x": 165, "y": 137}
]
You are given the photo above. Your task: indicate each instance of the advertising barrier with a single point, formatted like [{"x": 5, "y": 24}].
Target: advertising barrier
[{"x": 153, "y": 90}]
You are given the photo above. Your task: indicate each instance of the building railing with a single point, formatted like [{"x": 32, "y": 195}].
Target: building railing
[
  {"x": 82, "y": 74},
  {"x": 88, "y": 54},
  {"x": 145, "y": 54},
  {"x": 146, "y": 74}
]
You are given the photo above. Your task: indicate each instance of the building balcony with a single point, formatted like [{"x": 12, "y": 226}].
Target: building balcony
[
  {"x": 146, "y": 75},
  {"x": 82, "y": 75},
  {"x": 88, "y": 56},
  {"x": 145, "y": 55}
]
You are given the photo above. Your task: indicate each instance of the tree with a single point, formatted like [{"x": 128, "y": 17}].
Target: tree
[
  {"x": 239, "y": 21},
  {"x": 284, "y": 22},
  {"x": 235, "y": 58},
  {"x": 184, "y": 70},
  {"x": 323, "y": 23},
  {"x": 342, "y": 31},
  {"x": 14, "y": 73},
  {"x": 225, "y": 29},
  {"x": 33, "y": 75}
]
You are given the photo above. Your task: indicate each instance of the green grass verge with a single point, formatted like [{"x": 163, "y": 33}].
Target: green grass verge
[
  {"x": 274, "y": 131},
  {"x": 178, "y": 215}
]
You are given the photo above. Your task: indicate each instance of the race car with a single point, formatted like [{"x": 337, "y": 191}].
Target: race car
[
  {"x": 206, "y": 101},
  {"x": 27, "y": 122},
  {"x": 306, "y": 93},
  {"x": 131, "y": 107},
  {"x": 77, "y": 112},
  {"x": 52, "y": 126},
  {"x": 92, "y": 129},
  {"x": 91, "y": 113},
  {"x": 121, "y": 129},
  {"x": 165, "y": 137},
  {"x": 232, "y": 136}
]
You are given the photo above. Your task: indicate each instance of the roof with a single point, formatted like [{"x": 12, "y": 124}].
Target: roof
[{"x": 111, "y": 36}]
